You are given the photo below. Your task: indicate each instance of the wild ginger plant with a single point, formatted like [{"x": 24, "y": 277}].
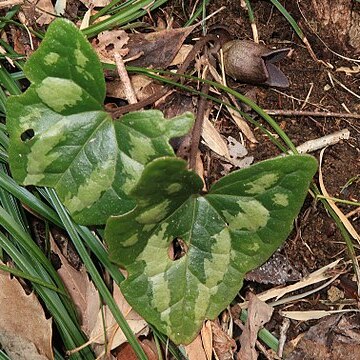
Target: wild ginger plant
[{"x": 124, "y": 173}]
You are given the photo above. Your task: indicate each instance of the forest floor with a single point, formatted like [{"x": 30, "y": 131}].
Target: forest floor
[{"x": 331, "y": 86}]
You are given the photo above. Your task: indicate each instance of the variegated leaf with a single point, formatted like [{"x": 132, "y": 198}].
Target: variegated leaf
[
  {"x": 61, "y": 137},
  {"x": 223, "y": 235}
]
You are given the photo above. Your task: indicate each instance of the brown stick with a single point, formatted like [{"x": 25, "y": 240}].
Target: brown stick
[
  {"x": 312, "y": 113},
  {"x": 197, "y": 129},
  {"x": 124, "y": 77}
]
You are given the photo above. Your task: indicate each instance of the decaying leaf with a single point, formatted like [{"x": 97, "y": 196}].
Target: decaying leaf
[
  {"x": 214, "y": 140},
  {"x": 277, "y": 271},
  {"x": 219, "y": 237},
  {"x": 142, "y": 85},
  {"x": 82, "y": 291},
  {"x": 95, "y": 3},
  {"x": 60, "y": 7},
  {"x": 156, "y": 49},
  {"x": 25, "y": 333},
  {"x": 313, "y": 314},
  {"x": 108, "y": 43},
  {"x": 334, "y": 338},
  {"x": 126, "y": 352},
  {"x": 40, "y": 11},
  {"x": 242, "y": 125},
  {"x": 238, "y": 152},
  {"x": 207, "y": 339},
  {"x": 224, "y": 345},
  {"x": 182, "y": 54},
  {"x": 195, "y": 350},
  {"x": 259, "y": 313},
  {"x": 114, "y": 334},
  {"x": 9, "y": 3}
]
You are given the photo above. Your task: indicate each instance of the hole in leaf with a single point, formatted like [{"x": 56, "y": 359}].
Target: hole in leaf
[
  {"x": 109, "y": 47},
  {"x": 27, "y": 135},
  {"x": 177, "y": 249}
]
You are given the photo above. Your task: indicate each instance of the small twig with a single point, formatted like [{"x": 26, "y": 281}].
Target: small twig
[
  {"x": 352, "y": 213},
  {"x": 124, "y": 77},
  {"x": 333, "y": 78},
  {"x": 282, "y": 339},
  {"x": 307, "y": 96},
  {"x": 197, "y": 130},
  {"x": 311, "y": 113},
  {"x": 320, "y": 143}
]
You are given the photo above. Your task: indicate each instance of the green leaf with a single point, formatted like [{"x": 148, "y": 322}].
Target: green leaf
[
  {"x": 226, "y": 233},
  {"x": 61, "y": 137}
]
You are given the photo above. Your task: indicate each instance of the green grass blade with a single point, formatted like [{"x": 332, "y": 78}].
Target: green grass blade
[
  {"x": 3, "y": 356},
  {"x": 10, "y": 203},
  {"x": 263, "y": 334},
  {"x": 127, "y": 14},
  {"x": 105, "y": 10},
  {"x": 98, "y": 281},
  {"x": 289, "y": 18},
  {"x": 67, "y": 325},
  {"x": 8, "y": 82},
  {"x": 33, "y": 279}
]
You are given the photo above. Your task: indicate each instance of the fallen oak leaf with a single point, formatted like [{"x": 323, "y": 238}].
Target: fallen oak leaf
[{"x": 25, "y": 333}]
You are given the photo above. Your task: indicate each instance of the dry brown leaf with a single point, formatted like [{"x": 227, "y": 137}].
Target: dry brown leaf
[
  {"x": 333, "y": 338},
  {"x": 324, "y": 273},
  {"x": 39, "y": 11},
  {"x": 25, "y": 333},
  {"x": 276, "y": 271},
  {"x": 214, "y": 140},
  {"x": 60, "y": 7},
  {"x": 242, "y": 125},
  {"x": 114, "y": 334},
  {"x": 95, "y": 3},
  {"x": 313, "y": 314},
  {"x": 206, "y": 336},
  {"x": 142, "y": 85},
  {"x": 158, "y": 48},
  {"x": 9, "y": 3},
  {"x": 82, "y": 291},
  {"x": 259, "y": 313},
  {"x": 126, "y": 352},
  {"x": 108, "y": 43},
  {"x": 238, "y": 152},
  {"x": 181, "y": 55},
  {"x": 195, "y": 350},
  {"x": 224, "y": 345}
]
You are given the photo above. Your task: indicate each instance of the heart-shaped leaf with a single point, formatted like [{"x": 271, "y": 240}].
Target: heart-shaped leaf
[
  {"x": 61, "y": 137},
  {"x": 186, "y": 254}
]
